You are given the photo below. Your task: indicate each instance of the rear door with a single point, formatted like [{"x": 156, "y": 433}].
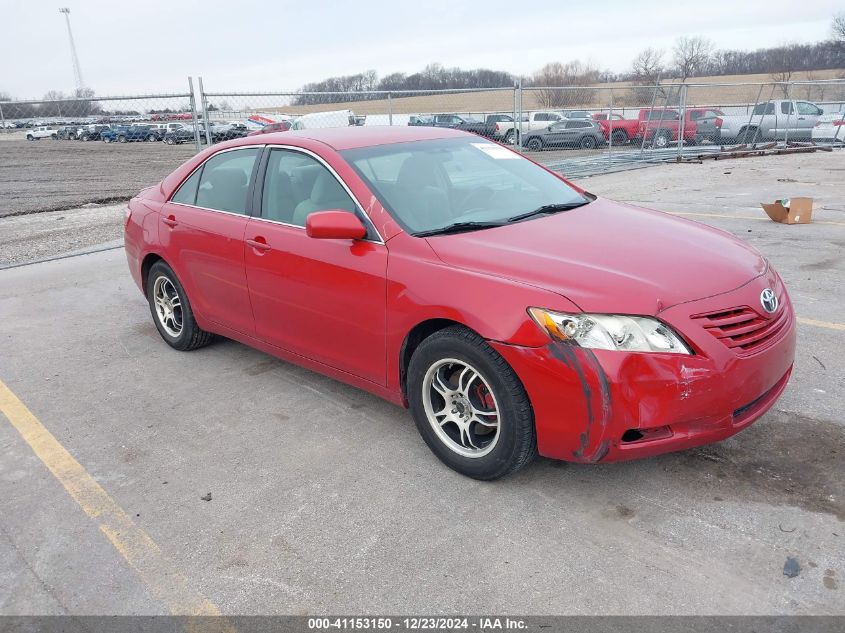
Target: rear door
[
  {"x": 202, "y": 230},
  {"x": 322, "y": 299}
]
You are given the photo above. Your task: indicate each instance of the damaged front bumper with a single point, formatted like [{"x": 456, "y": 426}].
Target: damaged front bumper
[{"x": 601, "y": 406}]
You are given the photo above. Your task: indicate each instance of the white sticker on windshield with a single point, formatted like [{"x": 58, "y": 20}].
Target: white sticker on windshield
[{"x": 496, "y": 151}]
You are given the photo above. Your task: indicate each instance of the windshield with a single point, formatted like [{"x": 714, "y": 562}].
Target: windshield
[{"x": 429, "y": 185}]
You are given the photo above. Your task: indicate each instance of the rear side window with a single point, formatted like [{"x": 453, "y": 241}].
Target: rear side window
[
  {"x": 225, "y": 180},
  {"x": 786, "y": 107},
  {"x": 187, "y": 192},
  {"x": 574, "y": 124}
]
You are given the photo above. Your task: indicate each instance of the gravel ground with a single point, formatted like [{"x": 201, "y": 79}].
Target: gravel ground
[{"x": 55, "y": 175}]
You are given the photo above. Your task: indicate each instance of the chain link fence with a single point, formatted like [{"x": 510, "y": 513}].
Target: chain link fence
[{"x": 576, "y": 130}]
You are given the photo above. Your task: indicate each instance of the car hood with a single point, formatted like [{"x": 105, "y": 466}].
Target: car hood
[{"x": 609, "y": 257}]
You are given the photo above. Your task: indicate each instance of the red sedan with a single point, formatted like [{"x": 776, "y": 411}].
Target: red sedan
[{"x": 513, "y": 312}]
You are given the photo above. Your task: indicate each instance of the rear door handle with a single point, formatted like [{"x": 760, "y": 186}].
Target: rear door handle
[
  {"x": 259, "y": 244},
  {"x": 170, "y": 221}
]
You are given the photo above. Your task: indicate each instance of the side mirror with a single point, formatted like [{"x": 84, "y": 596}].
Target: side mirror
[
  {"x": 821, "y": 111},
  {"x": 335, "y": 224}
]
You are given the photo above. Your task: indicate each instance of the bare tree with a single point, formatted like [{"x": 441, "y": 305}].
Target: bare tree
[
  {"x": 786, "y": 60},
  {"x": 838, "y": 27},
  {"x": 565, "y": 85},
  {"x": 646, "y": 70},
  {"x": 691, "y": 55}
]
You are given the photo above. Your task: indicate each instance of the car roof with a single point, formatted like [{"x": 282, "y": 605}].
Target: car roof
[{"x": 351, "y": 137}]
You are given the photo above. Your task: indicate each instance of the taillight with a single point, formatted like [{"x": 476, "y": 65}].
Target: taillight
[
  {"x": 718, "y": 122},
  {"x": 128, "y": 213},
  {"x": 498, "y": 129}
]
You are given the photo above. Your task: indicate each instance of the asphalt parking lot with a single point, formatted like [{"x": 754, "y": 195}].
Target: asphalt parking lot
[{"x": 136, "y": 479}]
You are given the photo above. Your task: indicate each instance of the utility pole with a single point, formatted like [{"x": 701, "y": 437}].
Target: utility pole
[{"x": 77, "y": 71}]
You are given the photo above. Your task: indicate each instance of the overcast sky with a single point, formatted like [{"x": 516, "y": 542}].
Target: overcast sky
[{"x": 152, "y": 46}]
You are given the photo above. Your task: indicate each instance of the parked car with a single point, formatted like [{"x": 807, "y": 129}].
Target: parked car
[
  {"x": 277, "y": 126},
  {"x": 532, "y": 121},
  {"x": 91, "y": 132},
  {"x": 67, "y": 132},
  {"x": 566, "y": 133},
  {"x": 44, "y": 131},
  {"x": 708, "y": 122},
  {"x": 513, "y": 312},
  {"x": 773, "y": 120},
  {"x": 830, "y": 128},
  {"x": 131, "y": 133},
  {"x": 223, "y": 131},
  {"x": 184, "y": 134},
  {"x": 660, "y": 127},
  {"x": 487, "y": 127}
]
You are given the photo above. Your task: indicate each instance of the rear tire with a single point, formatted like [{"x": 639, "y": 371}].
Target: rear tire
[
  {"x": 506, "y": 440},
  {"x": 30, "y": 137},
  {"x": 170, "y": 141},
  {"x": 588, "y": 142},
  {"x": 619, "y": 137},
  {"x": 171, "y": 310},
  {"x": 662, "y": 139},
  {"x": 121, "y": 139},
  {"x": 152, "y": 138}
]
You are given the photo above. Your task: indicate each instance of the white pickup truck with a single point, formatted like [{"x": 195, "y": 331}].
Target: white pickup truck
[
  {"x": 533, "y": 121},
  {"x": 43, "y": 131},
  {"x": 773, "y": 120}
]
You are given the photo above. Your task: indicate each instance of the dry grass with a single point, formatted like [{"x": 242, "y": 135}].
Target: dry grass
[{"x": 623, "y": 95}]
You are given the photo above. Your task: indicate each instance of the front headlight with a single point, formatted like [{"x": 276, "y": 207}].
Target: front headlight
[{"x": 610, "y": 331}]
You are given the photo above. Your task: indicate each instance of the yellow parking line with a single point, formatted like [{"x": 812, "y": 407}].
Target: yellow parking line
[
  {"x": 825, "y": 324},
  {"x": 130, "y": 541},
  {"x": 742, "y": 217}
]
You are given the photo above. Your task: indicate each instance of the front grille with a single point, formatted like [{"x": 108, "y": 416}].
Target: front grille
[{"x": 744, "y": 330}]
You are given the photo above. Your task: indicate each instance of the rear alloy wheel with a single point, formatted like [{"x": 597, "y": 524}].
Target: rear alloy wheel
[
  {"x": 152, "y": 138},
  {"x": 121, "y": 139},
  {"x": 662, "y": 139},
  {"x": 171, "y": 310},
  {"x": 749, "y": 136},
  {"x": 534, "y": 144},
  {"x": 469, "y": 405},
  {"x": 169, "y": 140},
  {"x": 588, "y": 142},
  {"x": 619, "y": 137},
  {"x": 107, "y": 139},
  {"x": 85, "y": 137},
  {"x": 30, "y": 137}
]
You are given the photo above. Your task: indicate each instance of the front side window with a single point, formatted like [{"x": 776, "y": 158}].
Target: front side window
[
  {"x": 297, "y": 185},
  {"x": 428, "y": 185},
  {"x": 808, "y": 109},
  {"x": 222, "y": 183},
  {"x": 764, "y": 108}
]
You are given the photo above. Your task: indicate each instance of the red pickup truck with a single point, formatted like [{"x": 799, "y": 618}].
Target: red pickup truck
[{"x": 660, "y": 126}]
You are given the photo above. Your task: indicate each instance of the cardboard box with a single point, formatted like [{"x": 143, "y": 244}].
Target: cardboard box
[{"x": 798, "y": 211}]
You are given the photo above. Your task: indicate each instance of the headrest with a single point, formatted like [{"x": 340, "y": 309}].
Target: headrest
[
  {"x": 227, "y": 178},
  {"x": 327, "y": 189}
]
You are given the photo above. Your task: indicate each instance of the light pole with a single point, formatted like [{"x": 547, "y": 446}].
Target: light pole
[{"x": 77, "y": 71}]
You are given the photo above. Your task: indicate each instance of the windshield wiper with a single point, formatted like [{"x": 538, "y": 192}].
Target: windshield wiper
[
  {"x": 458, "y": 227},
  {"x": 549, "y": 208}
]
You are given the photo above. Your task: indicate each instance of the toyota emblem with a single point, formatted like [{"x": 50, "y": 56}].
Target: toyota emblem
[{"x": 769, "y": 300}]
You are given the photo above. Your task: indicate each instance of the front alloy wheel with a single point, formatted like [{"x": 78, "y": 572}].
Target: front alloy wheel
[
  {"x": 461, "y": 408},
  {"x": 469, "y": 405}
]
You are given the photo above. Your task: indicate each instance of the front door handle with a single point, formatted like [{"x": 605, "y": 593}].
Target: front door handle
[
  {"x": 259, "y": 244},
  {"x": 170, "y": 221}
]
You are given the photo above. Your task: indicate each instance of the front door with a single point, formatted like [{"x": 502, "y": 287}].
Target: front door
[{"x": 322, "y": 299}]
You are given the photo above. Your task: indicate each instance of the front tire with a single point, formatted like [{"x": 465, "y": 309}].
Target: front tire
[
  {"x": 588, "y": 142},
  {"x": 469, "y": 405},
  {"x": 171, "y": 310},
  {"x": 662, "y": 139},
  {"x": 534, "y": 144}
]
